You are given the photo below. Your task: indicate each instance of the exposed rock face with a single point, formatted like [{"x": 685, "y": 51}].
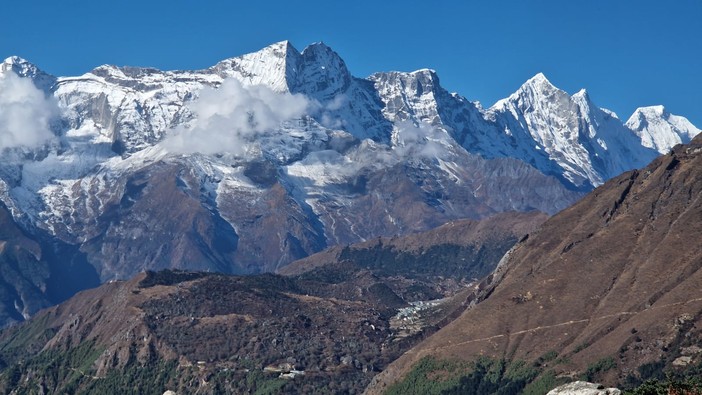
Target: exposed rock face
[
  {"x": 307, "y": 156},
  {"x": 35, "y": 274},
  {"x": 640, "y": 304},
  {"x": 367, "y": 158},
  {"x": 583, "y": 388}
]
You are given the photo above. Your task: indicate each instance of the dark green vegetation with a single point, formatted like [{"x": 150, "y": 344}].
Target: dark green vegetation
[
  {"x": 490, "y": 376},
  {"x": 483, "y": 376},
  {"x": 424, "y": 269},
  {"x": 670, "y": 386}
]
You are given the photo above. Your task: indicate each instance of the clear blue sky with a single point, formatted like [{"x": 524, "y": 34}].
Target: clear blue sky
[{"x": 625, "y": 53}]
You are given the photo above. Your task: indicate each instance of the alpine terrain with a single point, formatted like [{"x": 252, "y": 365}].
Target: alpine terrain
[
  {"x": 274, "y": 224},
  {"x": 328, "y": 328},
  {"x": 269, "y": 157},
  {"x": 606, "y": 290}
]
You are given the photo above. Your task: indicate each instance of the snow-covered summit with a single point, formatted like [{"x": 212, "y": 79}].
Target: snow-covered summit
[
  {"x": 317, "y": 71},
  {"x": 298, "y": 151},
  {"x": 659, "y": 129},
  {"x": 567, "y": 135},
  {"x": 27, "y": 69}
]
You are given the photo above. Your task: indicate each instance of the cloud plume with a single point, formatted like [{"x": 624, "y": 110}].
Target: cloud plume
[
  {"x": 25, "y": 113},
  {"x": 421, "y": 140},
  {"x": 227, "y": 119}
]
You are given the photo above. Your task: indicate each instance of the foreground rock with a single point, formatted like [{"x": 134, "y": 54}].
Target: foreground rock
[{"x": 583, "y": 388}]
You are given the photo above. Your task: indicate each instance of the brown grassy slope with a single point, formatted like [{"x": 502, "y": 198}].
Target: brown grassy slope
[
  {"x": 230, "y": 323},
  {"x": 617, "y": 274}
]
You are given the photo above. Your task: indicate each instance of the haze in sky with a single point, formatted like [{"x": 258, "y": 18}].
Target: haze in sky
[{"x": 627, "y": 54}]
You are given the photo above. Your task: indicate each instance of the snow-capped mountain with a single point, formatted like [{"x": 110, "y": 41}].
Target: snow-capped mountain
[
  {"x": 267, "y": 157},
  {"x": 567, "y": 136},
  {"x": 659, "y": 129}
]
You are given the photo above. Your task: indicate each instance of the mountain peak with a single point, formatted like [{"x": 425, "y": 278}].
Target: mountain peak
[
  {"x": 659, "y": 129},
  {"x": 658, "y": 110},
  {"x": 318, "y": 46},
  {"x": 284, "y": 46},
  {"x": 540, "y": 82},
  {"x": 27, "y": 69},
  {"x": 268, "y": 66},
  {"x": 582, "y": 93},
  {"x": 539, "y": 77},
  {"x": 14, "y": 60},
  {"x": 19, "y": 65},
  {"x": 320, "y": 73}
]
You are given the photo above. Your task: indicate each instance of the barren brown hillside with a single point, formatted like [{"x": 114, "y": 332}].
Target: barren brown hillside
[{"x": 616, "y": 275}]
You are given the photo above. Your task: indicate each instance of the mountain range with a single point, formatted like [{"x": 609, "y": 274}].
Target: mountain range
[
  {"x": 282, "y": 161},
  {"x": 269, "y": 157}
]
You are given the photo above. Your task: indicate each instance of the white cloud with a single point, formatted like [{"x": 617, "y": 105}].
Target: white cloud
[
  {"x": 228, "y": 119},
  {"x": 25, "y": 113},
  {"x": 423, "y": 140}
]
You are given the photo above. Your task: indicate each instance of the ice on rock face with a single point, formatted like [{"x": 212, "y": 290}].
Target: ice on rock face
[
  {"x": 26, "y": 69},
  {"x": 320, "y": 74},
  {"x": 584, "y": 143},
  {"x": 659, "y": 129},
  {"x": 272, "y": 66},
  {"x": 114, "y": 121}
]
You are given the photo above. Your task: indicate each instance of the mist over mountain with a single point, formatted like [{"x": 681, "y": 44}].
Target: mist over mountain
[{"x": 269, "y": 157}]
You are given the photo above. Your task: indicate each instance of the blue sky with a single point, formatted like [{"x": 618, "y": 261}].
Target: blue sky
[{"x": 625, "y": 53}]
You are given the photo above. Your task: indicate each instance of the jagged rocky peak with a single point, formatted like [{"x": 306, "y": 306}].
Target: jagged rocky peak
[
  {"x": 536, "y": 88},
  {"x": 410, "y": 95},
  {"x": 415, "y": 83},
  {"x": 27, "y": 69},
  {"x": 317, "y": 71},
  {"x": 269, "y": 66},
  {"x": 19, "y": 65},
  {"x": 659, "y": 129},
  {"x": 321, "y": 74}
]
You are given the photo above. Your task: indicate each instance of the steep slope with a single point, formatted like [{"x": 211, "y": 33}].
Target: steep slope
[
  {"x": 268, "y": 157},
  {"x": 34, "y": 273},
  {"x": 427, "y": 265},
  {"x": 568, "y": 135},
  {"x": 661, "y": 130},
  {"x": 169, "y": 321},
  {"x": 24, "y": 275},
  {"x": 609, "y": 285}
]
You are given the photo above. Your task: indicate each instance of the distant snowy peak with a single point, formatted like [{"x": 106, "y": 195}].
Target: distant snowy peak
[
  {"x": 411, "y": 96},
  {"x": 26, "y": 69},
  {"x": 317, "y": 71},
  {"x": 535, "y": 88},
  {"x": 584, "y": 143},
  {"x": 271, "y": 66},
  {"x": 659, "y": 129}
]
